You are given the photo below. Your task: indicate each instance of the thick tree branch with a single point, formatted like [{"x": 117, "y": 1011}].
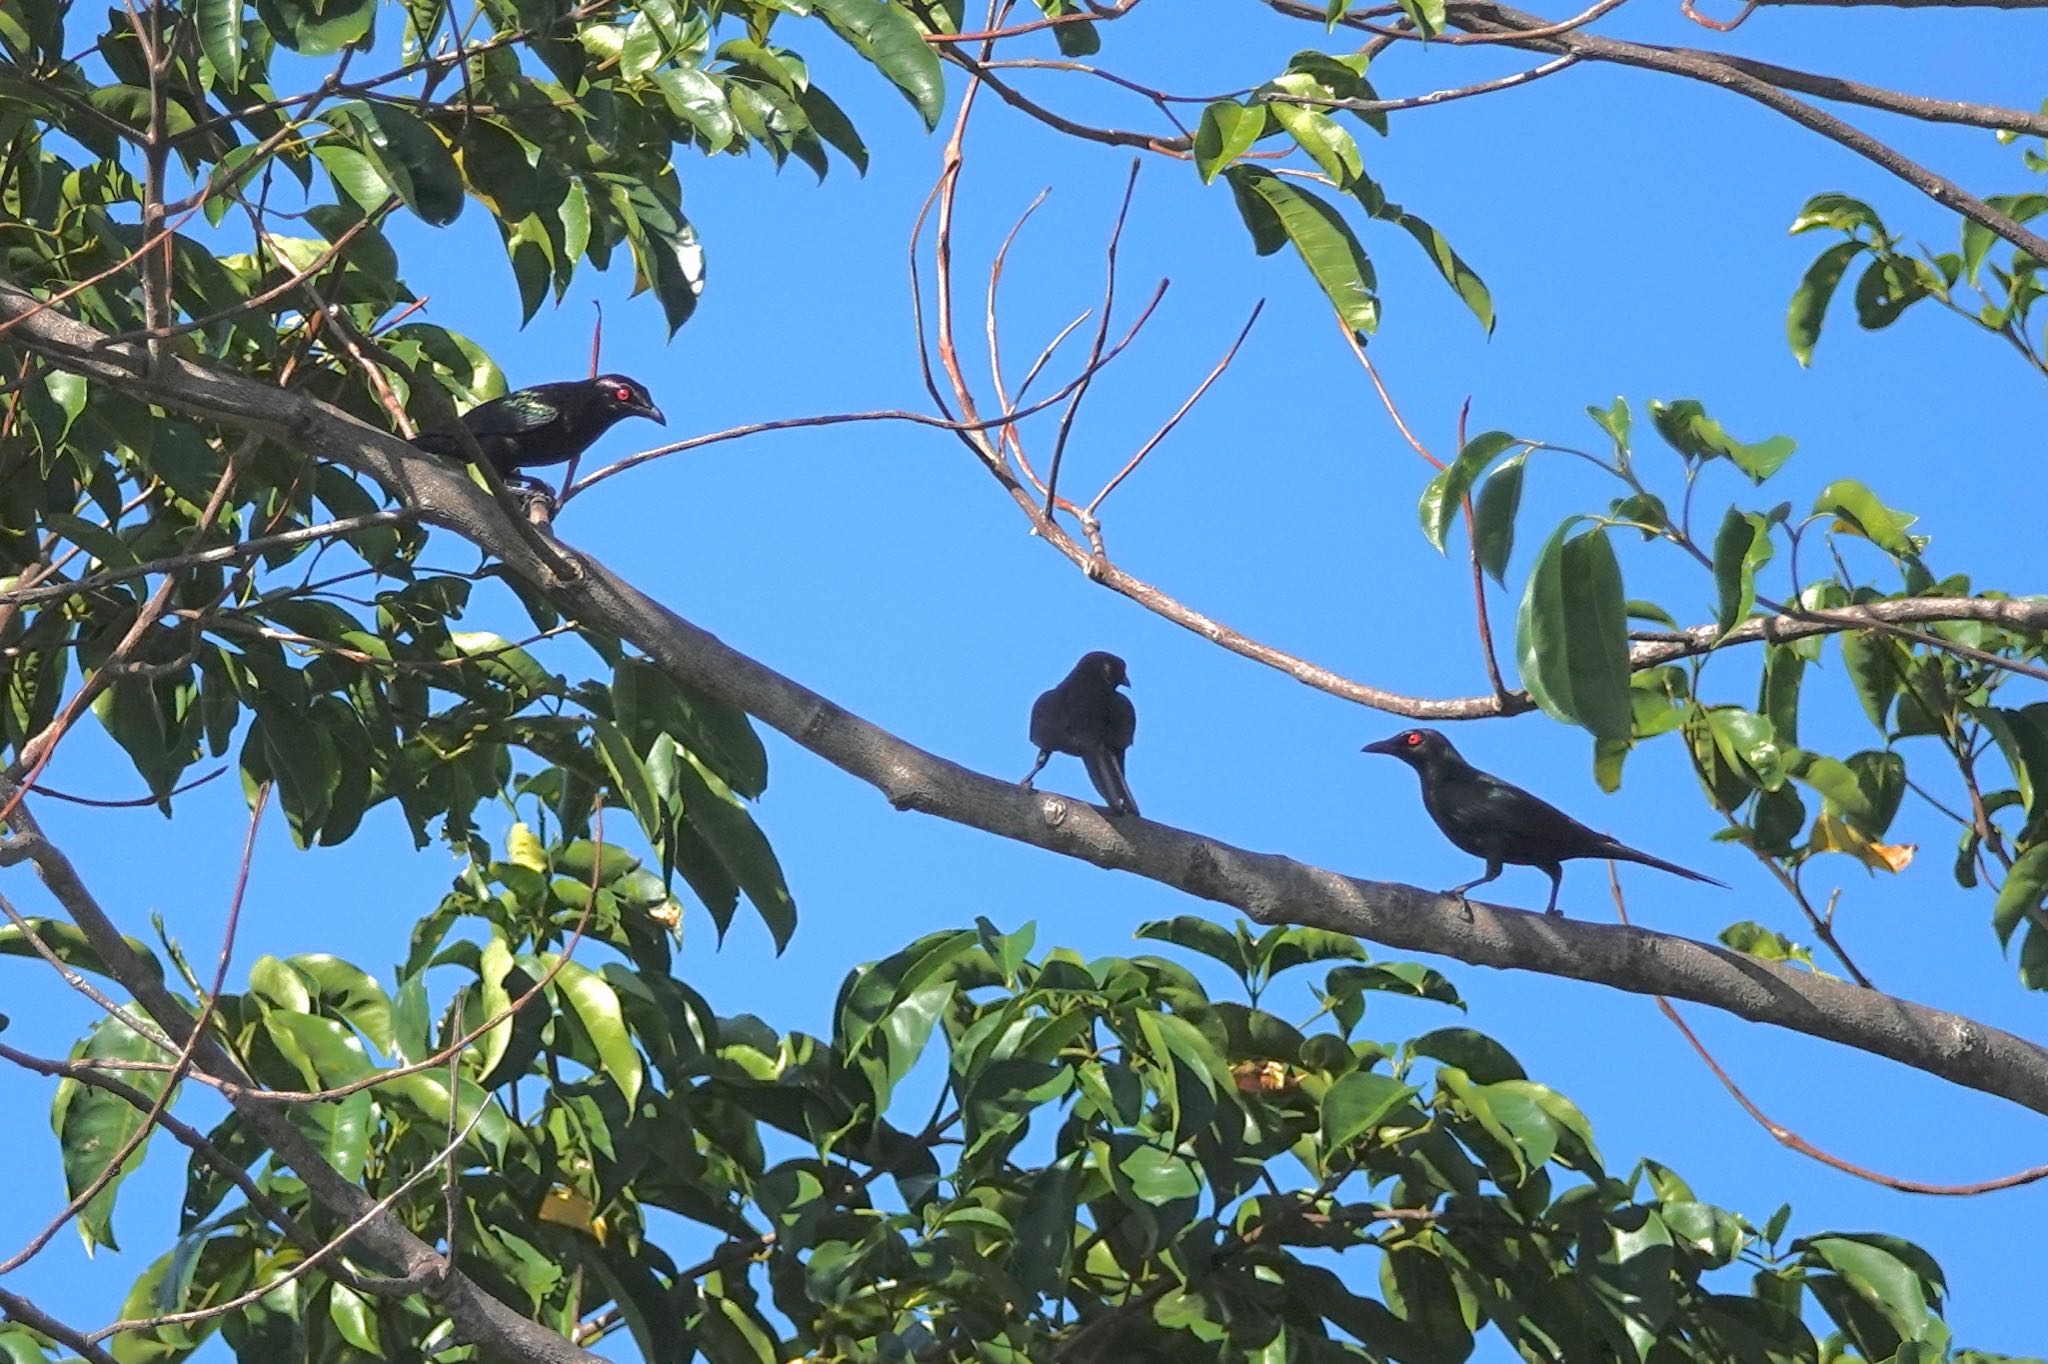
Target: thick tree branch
[
  {"x": 1765, "y": 83},
  {"x": 1911, "y": 4},
  {"x": 1485, "y": 17},
  {"x": 1271, "y": 889},
  {"x": 2013, "y": 613}
]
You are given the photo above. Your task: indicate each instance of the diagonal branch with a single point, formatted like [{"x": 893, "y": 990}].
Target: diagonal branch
[
  {"x": 1269, "y": 888},
  {"x": 1518, "y": 29}
]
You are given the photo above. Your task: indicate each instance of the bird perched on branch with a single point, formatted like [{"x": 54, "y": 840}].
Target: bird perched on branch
[
  {"x": 1087, "y": 716},
  {"x": 1489, "y": 818},
  {"x": 545, "y": 424}
]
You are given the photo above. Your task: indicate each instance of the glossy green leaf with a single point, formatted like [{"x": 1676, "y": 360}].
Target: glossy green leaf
[
  {"x": 1686, "y": 427},
  {"x": 1206, "y": 936},
  {"x": 1358, "y": 1103},
  {"x": 1500, "y": 498},
  {"x": 412, "y": 159},
  {"x": 1571, "y": 634},
  {"x": 597, "y": 1008},
  {"x": 1446, "y": 492},
  {"x": 1810, "y": 300},
  {"x": 1838, "y": 211},
  {"x": 1321, "y": 237},
  {"x": 2025, "y": 888},
  {"x": 1326, "y": 142},
  {"x": 1227, "y": 131},
  {"x": 1741, "y": 548},
  {"x": 1887, "y": 287},
  {"x": 1857, "y": 510},
  {"x": 886, "y": 35},
  {"x": 1755, "y": 940},
  {"x": 1462, "y": 278},
  {"x": 351, "y": 992},
  {"x": 93, "y": 1125}
]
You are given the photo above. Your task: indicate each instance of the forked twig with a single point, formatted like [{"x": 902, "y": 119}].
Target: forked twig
[
  {"x": 1181, "y": 411},
  {"x": 1059, "y": 445}
]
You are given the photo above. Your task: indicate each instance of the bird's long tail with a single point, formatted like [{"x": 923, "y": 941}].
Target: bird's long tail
[
  {"x": 1106, "y": 770},
  {"x": 1621, "y": 852}
]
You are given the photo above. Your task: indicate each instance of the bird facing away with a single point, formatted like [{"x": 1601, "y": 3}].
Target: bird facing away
[
  {"x": 1087, "y": 716},
  {"x": 1488, "y": 818},
  {"x": 545, "y": 424}
]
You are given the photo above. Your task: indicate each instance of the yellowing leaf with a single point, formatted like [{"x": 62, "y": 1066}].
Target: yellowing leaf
[
  {"x": 1832, "y": 833},
  {"x": 523, "y": 849},
  {"x": 567, "y": 1208}
]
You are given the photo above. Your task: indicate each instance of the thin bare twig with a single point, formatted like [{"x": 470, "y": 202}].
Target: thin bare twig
[
  {"x": 1181, "y": 411},
  {"x": 1059, "y": 445}
]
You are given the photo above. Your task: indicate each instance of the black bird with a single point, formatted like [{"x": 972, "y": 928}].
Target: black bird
[
  {"x": 1488, "y": 818},
  {"x": 545, "y": 424},
  {"x": 1087, "y": 716}
]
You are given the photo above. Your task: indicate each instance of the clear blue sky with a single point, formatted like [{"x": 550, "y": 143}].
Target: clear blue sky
[{"x": 1633, "y": 231}]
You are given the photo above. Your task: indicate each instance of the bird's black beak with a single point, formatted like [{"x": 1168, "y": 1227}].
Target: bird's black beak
[
  {"x": 1382, "y": 746},
  {"x": 651, "y": 412}
]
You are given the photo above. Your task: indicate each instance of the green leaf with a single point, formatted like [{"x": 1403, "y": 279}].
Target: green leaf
[
  {"x": 1571, "y": 634},
  {"x": 1334, "y": 150},
  {"x": 1887, "y": 287},
  {"x": 1753, "y": 939},
  {"x": 696, "y": 98},
  {"x": 1749, "y": 744},
  {"x": 69, "y": 945},
  {"x": 355, "y": 1318},
  {"x": 1227, "y": 131},
  {"x": 886, "y": 35},
  {"x": 1837, "y": 211},
  {"x": 1446, "y": 493},
  {"x": 1875, "y": 665},
  {"x": 1462, "y": 278},
  {"x": 597, "y": 1008},
  {"x": 1321, "y": 237},
  {"x": 1205, "y": 936},
  {"x": 1979, "y": 239},
  {"x": 830, "y": 122},
  {"x": 350, "y": 991},
  {"x": 1857, "y": 510},
  {"x": 1500, "y": 498},
  {"x": 1619, "y": 424},
  {"x": 1810, "y": 300},
  {"x": 1877, "y": 1277},
  {"x": 1426, "y": 15},
  {"x": 1778, "y": 695},
  {"x": 410, "y": 156},
  {"x": 220, "y": 38},
  {"x": 1685, "y": 425},
  {"x": 1358, "y": 1103},
  {"x": 1159, "y": 1175},
  {"x": 92, "y": 1124},
  {"x": 1479, "y": 1056},
  {"x": 2026, "y": 886},
  {"x": 629, "y": 777},
  {"x": 1741, "y": 548}
]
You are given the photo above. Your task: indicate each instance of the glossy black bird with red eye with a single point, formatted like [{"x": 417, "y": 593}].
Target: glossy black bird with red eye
[
  {"x": 1087, "y": 716},
  {"x": 545, "y": 424},
  {"x": 1489, "y": 818}
]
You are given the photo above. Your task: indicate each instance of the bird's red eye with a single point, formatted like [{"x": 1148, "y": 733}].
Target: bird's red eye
[
  {"x": 1414, "y": 739},
  {"x": 623, "y": 394}
]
